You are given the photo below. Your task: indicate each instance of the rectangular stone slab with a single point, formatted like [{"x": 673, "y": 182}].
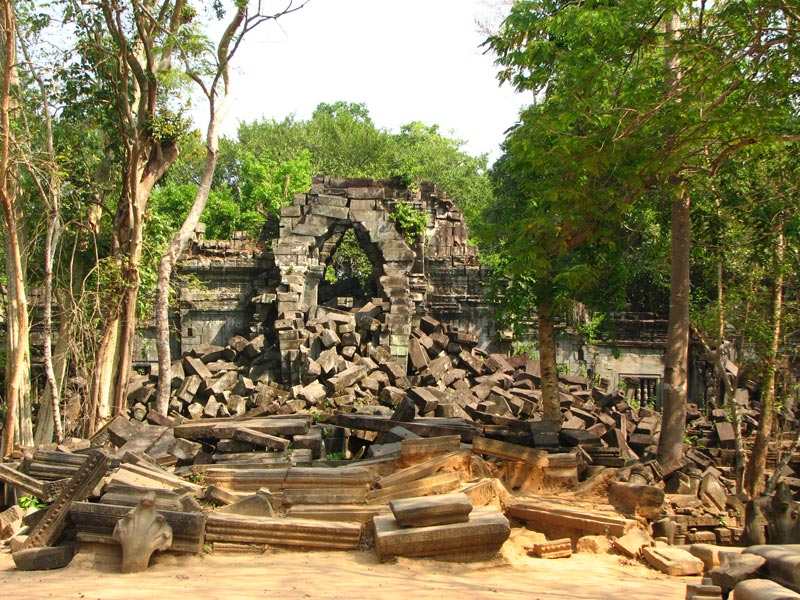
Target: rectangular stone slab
[
  {"x": 673, "y": 561},
  {"x": 506, "y": 451},
  {"x": 258, "y": 438},
  {"x": 50, "y": 465},
  {"x": 424, "y": 427},
  {"x": 277, "y": 531},
  {"x": 783, "y": 562},
  {"x": 453, "y": 461},
  {"x": 553, "y": 549},
  {"x": 325, "y": 495},
  {"x": 541, "y": 514},
  {"x": 484, "y": 533},
  {"x": 218, "y": 429},
  {"x": 23, "y": 482},
  {"x": 417, "y": 450},
  {"x": 432, "y": 510},
  {"x": 439, "y": 483},
  {"x": 360, "y": 513}
]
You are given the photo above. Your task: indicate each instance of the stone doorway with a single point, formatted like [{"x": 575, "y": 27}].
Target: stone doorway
[{"x": 311, "y": 230}]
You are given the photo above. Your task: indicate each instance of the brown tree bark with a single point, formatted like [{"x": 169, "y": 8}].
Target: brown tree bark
[
  {"x": 754, "y": 473},
  {"x": 18, "y": 304},
  {"x": 239, "y": 25},
  {"x": 670, "y": 445},
  {"x": 551, "y": 405}
]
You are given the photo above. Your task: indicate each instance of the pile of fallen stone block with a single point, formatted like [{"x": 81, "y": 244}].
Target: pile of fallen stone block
[{"x": 447, "y": 490}]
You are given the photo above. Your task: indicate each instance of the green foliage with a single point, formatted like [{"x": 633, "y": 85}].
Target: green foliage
[
  {"x": 167, "y": 128},
  {"x": 349, "y": 260},
  {"x": 344, "y": 142},
  {"x": 267, "y": 185},
  {"x": 424, "y": 154},
  {"x": 335, "y": 456},
  {"x": 30, "y": 502},
  {"x": 591, "y": 330},
  {"x": 409, "y": 220}
]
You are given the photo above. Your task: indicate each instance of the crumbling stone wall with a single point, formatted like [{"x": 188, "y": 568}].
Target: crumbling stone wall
[
  {"x": 221, "y": 278},
  {"x": 439, "y": 275},
  {"x": 246, "y": 288}
]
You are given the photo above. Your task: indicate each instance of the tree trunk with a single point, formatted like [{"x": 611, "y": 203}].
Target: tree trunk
[
  {"x": 176, "y": 247},
  {"x": 551, "y": 404},
  {"x": 18, "y": 334},
  {"x": 670, "y": 445},
  {"x": 754, "y": 474},
  {"x": 114, "y": 356},
  {"x": 47, "y": 418}
]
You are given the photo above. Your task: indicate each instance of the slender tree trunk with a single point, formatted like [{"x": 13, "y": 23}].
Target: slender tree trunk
[
  {"x": 754, "y": 474},
  {"x": 50, "y": 195},
  {"x": 551, "y": 405},
  {"x": 48, "y": 421},
  {"x": 176, "y": 247},
  {"x": 676, "y": 378},
  {"x": 670, "y": 446},
  {"x": 18, "y": 304}
]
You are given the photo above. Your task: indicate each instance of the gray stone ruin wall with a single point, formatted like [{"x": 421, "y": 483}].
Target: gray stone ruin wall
[
  {"x": 245, "y": 288},
  {"x": 439, "y": 275},
  {"x": 220, "y": 280}
]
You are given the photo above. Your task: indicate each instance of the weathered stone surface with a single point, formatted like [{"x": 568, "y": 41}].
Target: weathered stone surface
[
  {"x": 95, "y": 523},
  {"x": 140, "y": 533},
  {"x": 762, "y": 589},
  {"x": 345, "y": 379},
  {"x": 416, "y": 450},
  {"x": 735, "y": 567},
  {"x": 553, "y": 549},
  {"x": 783, "y": 562},
  {"x": 540, "y": 515},
  {"x": 633, "y": 543},
  {"x": 710, "y": 554},
  {"x": 504, "y": 450},
  {"x": 432, "y": 510},
  {"x": 257, "y": 438},
  {"x": 44, "y": 558},
  {"x": 276, "y": 531},
  {"x": 636, "y": 499},
  {"x": 193, "y": 365},
  {"x": 10, "y": 521},
  {"x": 483, "y": 534},
  {"x": 50, "y": 528},
  {"x": 259, "y": 504},
  {"x": 593, "y": 544},
  {"x": 673, "y": 561}
]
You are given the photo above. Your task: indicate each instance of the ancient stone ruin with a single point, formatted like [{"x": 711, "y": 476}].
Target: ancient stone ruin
[{"x": 246, "y": 292}]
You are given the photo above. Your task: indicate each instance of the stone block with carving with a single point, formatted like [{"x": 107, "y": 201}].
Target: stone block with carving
[{"x": 140, "y": 533}]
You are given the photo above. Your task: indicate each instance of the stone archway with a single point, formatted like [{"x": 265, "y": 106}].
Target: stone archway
[{"x": 308, "y": 236}]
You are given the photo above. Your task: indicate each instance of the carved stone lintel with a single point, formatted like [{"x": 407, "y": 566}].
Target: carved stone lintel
[
  {"x": 140, "y": 533},
  {"x": 80, "y": 486}
]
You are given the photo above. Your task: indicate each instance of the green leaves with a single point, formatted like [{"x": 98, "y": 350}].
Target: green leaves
[
  {"x": 268, "y": 185},
  {"x": 409, "y": 220}
]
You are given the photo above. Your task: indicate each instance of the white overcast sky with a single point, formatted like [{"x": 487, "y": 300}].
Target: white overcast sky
[{"x": 407, "y": 60}]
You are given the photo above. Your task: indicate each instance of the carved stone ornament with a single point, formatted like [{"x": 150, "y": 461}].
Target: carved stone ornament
[{"x": 140, "y": 533}]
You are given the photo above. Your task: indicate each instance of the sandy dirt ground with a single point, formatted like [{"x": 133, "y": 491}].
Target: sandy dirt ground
[{"x": 347, "y": 575}]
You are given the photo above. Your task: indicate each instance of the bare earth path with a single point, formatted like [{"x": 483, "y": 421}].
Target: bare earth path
[{"x": 343, "y": 575}]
